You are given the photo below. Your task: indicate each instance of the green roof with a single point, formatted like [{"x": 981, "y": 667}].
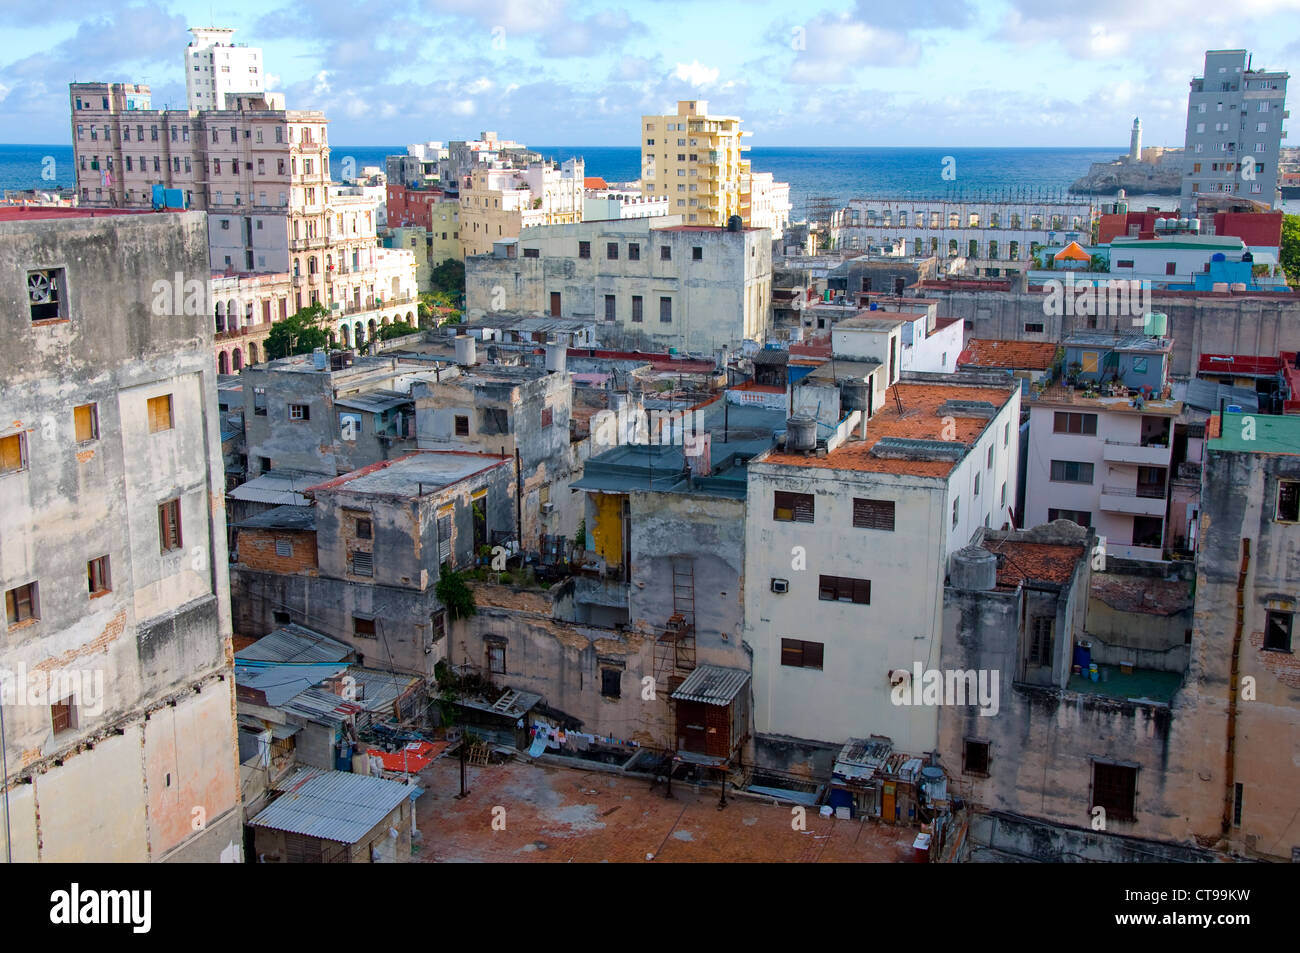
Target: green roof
[{"x": 1258, "y": 433}]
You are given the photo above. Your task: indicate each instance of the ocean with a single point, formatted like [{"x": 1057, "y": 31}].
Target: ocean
[{"x": 836, "y": 174}]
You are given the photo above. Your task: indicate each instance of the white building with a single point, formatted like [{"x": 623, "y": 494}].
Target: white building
[
  {"x": 214, "y": 67},
  {"x": 613, "y": 202},
  {"x": 846, "y": 549},
  {"x": 764, "y": 202},
  {"x": 497, "y": 202}
]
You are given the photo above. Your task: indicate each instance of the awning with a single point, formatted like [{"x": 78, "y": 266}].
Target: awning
[{"x": 712, "y": 685}]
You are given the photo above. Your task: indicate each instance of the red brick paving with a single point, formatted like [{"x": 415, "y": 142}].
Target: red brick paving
[{"x": 557, "y": 814}]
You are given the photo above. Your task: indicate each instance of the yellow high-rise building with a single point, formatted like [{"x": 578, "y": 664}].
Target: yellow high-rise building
[{"x": 695, "y": 160}]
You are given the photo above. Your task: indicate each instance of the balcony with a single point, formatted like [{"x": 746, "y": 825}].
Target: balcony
[
  {"x": 303, "y": 244},
  {"x": 1119, "y": 451},
  {"x": 1133, "y": 501}
]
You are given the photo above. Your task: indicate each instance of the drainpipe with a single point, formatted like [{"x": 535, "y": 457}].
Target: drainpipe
[
  {"x": 519, "y": 501},
  {"x": 4, "y": 779}
]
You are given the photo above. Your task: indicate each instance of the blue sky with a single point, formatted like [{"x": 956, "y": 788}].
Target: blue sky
[{"x": 941, "y": 73}]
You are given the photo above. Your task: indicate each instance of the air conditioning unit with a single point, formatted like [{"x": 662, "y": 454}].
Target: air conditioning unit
[
  {"x": 780, "y": 585},
  {"x": 548, "y": 509}
]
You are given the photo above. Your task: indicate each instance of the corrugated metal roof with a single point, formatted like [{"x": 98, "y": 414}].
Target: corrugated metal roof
[
  {"x": 279, "y": 487},
  {"x": 336, "y": 805},
  {"x": 375, "y": 401},
  {"x": 294, "y": 643},
  {"x": 282, "y": 684},
  {"x": 712, "y": 685}
]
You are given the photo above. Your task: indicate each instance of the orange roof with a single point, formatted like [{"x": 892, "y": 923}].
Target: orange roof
[
  {"x": 918, "y": 421},
  {"x": 594, "y": 182},
  {"x": 1046, "y": 562},
  {"x": 1072, "y": 252},
  {"x": 1019, "y": 355}
]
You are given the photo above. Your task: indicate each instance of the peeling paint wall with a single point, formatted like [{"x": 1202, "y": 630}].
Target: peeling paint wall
[{"x": 163, "y": 626}]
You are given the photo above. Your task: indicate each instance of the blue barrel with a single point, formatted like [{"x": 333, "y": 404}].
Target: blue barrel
[{"x": 1082, "y": 657}]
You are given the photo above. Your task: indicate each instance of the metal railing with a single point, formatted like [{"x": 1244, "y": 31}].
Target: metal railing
[{"x": 1145, "y": 492}]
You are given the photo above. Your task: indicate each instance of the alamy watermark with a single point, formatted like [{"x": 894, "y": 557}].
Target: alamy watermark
[
  {"x": 1115, "y": 296},
  {"x": 42, "y": 689},
  {"x": 954, "y": 687},
  {"x": 675, "y": 428}
]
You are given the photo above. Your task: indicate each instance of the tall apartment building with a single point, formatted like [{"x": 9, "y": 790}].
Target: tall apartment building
[
  {"x": 695, "y": 159},
  {"x": 495, "y": 203},
  {"x": 1234, "y": 130},
  {"x": 117, "y": 689},
  {"x": 764, "y": 202},
  {"x": 214, "y": 67}
]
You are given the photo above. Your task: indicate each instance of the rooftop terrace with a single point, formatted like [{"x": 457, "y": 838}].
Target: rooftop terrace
[{"x": 415, "y": 474}]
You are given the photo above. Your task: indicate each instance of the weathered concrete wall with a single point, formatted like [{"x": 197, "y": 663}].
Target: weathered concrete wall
[
  {"x": 164, "y": 623},
  {"x": 1199, "y": 324},
  {"x": 1239, "y": 501},
  {"x": 1001, "y": 838}
]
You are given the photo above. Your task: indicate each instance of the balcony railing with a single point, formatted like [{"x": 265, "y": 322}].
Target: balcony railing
[{"x": 1147, "y": 492}]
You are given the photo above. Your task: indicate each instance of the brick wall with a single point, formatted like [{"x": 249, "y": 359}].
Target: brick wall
[{"x": 257, "y": 550}]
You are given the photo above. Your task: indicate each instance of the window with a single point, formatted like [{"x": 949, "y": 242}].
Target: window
[
  {"x": 97, "y": 575},
  {"x": 169, "y": 525},
  {"x": 793, "y": 507},
  {"x": 496, "y": 657},
  {"x": 975, "y": 758},
  {"x": 1081, "y": 517},
  {"x": 1069, "y": 471},
  {"x": 799, "y": 654},
  {"x": 1171, "y": 268},
  {"x": 1114, "y": 788},
  {"x": 873, "y": 514},
  {"x": 299, "y": 412},
  {"x": 22, "y": 604},
  {"x": 584, "y": 249},
  {"x": 1034, "y": 328},
  {"x": 1288, "y": 501},
  {"x": 362, "y": 564},
  {"x": 13, "y": 453},
  {"x": 528, "y": 252},
  {"x": 1064, "y": 422},
  {"x": 160, "y": 413},
  {"x": 444, "y": 534},
  {"x": 611, "y": 683},
  {"x": 989, "y": 464},
  {"x": 1003, "y": 495},
  {"x": 1040, "y": 640},
  {"x": 548, "y": 416},
  {"x": 364, "y": 627},
  {"x": 665, "y": 253},
  {"x": 1239, "y": 791},
  {"x": 462, "y": 425},
  {"x": 1277, "y": 631},
  {"x": 665, "y": 310},
  {"x": 45, "y": 295},
  {"x": 63, "y": 715},
  {"x": 609, "y": 308},
  {"x": 633, "y": 252},
  {"x": 284, "y": 548},
  {"x": 259, "y": 401},
  {"x": 438, "y": 622},
  {"x": 264, "y": 464},
  {"x": 844, "y": 589},
  {"x": 364, "y": 528},
  {"x": 611, "y": 251},
  {"x": 1006, "y": 433},
  {"x": 637, "y": 314},
  {"x": 697, "y": 253},
  {"x": 956, "y": 511}
]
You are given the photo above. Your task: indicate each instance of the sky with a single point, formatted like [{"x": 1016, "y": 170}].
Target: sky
[{"x": 937, "y": 73}]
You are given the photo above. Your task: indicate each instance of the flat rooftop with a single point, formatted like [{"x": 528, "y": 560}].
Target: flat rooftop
[
  {"x": 562, "y": 814},
  {"x": 1060, "y": 396},
  {"x": 1101, "y": 340},
  {"x": 1140, "y": 685},
  {"x": 424, "y": 471},
  {"x": 876, "y": 321},
  {"x": 29, "y": 213},
  {"x": 918, "y": 420},
  {"x": 1271, "y": 434},
  {"x": 1012, "y": 355}
]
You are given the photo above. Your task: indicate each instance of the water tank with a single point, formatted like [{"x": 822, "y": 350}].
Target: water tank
[
  {"x": 735, "y": 223},
  {"x": 1238, "y": 286},
  {"x": 1248, "y": 257},
  {"x": 853, "y": 396},
  {"x": 1219, "y": 286},
  {"x": 872, "y": 306},
  {"x": 556, "y": 358},
  {"x": 318, "y": 359},
  {"x": 466, "y": 353},
  {"x": 934, "y": 783},
  {"x": 1183, "y": 224},
  {"x": 974, "y": 569},
  {"x": 1196, "y": 226},
  {"x": 1155, "y": 324},
  {"x": 1218, "y": 256},
  {"x": 801, "y": 433}
]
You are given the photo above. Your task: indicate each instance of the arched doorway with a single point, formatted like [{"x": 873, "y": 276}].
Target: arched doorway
[
  {"x": 236, "y": 359},
  {"x": 223, "y": 363},
  {"x": 252, "y": 352},
  {"x": 372, "y": 329},
  {"x": 384, "y": 321},
  {"x": 410, "y": 319},
  {"x": 359, "y": 337},
  {"x": 232, "y": 315},
  {"x": 219, "y": 316},
  {"x": 346, "y": 333}
]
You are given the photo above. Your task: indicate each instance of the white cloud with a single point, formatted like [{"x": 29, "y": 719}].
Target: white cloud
[
  {"x": 321, "y": 83},
  {"x": 463, "y": 107},
  {"x": 696, "y": 73}
]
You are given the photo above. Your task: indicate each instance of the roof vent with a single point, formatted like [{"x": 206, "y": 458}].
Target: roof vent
[
  {"x": 907, "y": 448},
  {"x": 966, "y": 408}
]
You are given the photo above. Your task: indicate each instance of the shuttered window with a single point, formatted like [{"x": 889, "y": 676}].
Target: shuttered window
[
  {"x": 873, "y": 514},
  {"x": 86, "y": 422},
  {"x": 283, "y": 547},
  {"x": 21, "y": 604},
  {"x": 796, "y": 653},
  {"x": 444, "y": 534},
  {"x": 793, "y": 507},
  {"x": 1040, "y": 640},
  {"x": 844, "y": 589},
  {"x": 13, "y": 453},
  {"x": 169, "y": 525},
  {"x": 1114, "y": 787},
  {"x": 160, "y": 413},
  {"x": 97, "y": 575},
  {"x": 362, "y": 564}
]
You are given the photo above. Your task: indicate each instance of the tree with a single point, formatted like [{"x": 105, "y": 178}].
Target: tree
[
  {"x": 457, "y": 597},
  {"x": 449, "y": 277},
  {"x": 300, "y": 333},
  {"x": 1289, "y": 256},
  {"x": 395, "y": 330}
]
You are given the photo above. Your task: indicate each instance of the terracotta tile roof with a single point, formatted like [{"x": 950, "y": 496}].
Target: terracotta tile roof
[
  {"x": 1018, "y": 355},
  {"x": 1141, "y": 594},
  {"x": 594, "y": 182},
  {"x": 1046, "y": 562},
  {"x": 760, "y": 388},
  {"x": 918, "y": 420}
]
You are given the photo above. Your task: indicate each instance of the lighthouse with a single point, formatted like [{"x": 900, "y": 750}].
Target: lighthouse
[{"x": 1135, "y": 141}]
